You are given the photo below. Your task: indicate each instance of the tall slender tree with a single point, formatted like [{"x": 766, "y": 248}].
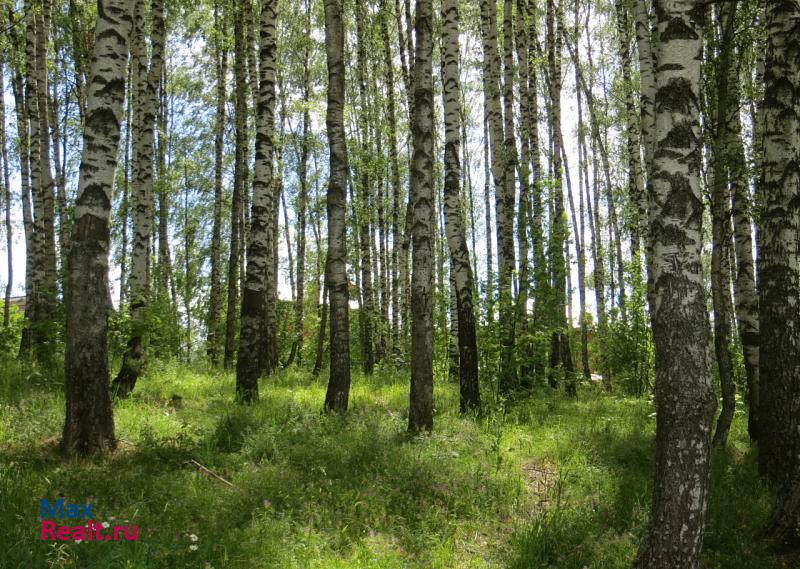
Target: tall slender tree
[
  {"x": 460, "y": 266},
  {"x": 420, "y": 414},
  {"x": 364, "y": 195},
  {"x": 214, "y": 318},
  {"x": 240, "y": 175},
  {"x": 146, "y": 104},
  {"x": 338, "y": 393},
  {"x": 251, "y": 363},
  {"x": 7, "y": 197},
  {"x": 502, "y": 165}
]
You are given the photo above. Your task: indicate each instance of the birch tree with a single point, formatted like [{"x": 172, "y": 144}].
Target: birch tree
[
  {"x": 460, "y": 265},
  {"x": 779, "y": 266},
  {"x": 147, "y": 77},
  {"x": 253, "y": 345},
  {"x": 215, "y": 289},
  {"x": 338, "y": 392},
  {"x": 420, "y": 413},
  {"x": 240, "y": 175},
  {"x": 502, "y": 168},
  {"x": 685, "y": 401},
  {"x": 89, "y": 422}
]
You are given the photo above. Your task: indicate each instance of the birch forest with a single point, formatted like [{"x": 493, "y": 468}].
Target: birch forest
[{"x": 400, "y": 283}]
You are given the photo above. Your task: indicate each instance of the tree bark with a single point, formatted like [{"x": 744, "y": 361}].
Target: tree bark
[
  {"x": 721, "y": 230},
  {"x": 779, "y": 268},
  {"x": 746, "y": 294},
  {"x": 146, "y": 103},
  {"x": 89, "y": 422},
  {"x": 42, "y": 257},
  {"x": 240, "y": 175},
  {"x": 302, "y": 202},
  {"x": 685, "y": 401},
  {"x": 338, "y": 392},
  {"x": 253, "y": 343},
  {"x": 460, "y": 266},
  {"x": 7, "y": 196},
  {"x": 20, "y": 107},
  {"x": 364, "y": 205},
  {"x": 502, "y": 161},
  {"x": 420, "y": 413},
  {"x": 213, "y": 323}
]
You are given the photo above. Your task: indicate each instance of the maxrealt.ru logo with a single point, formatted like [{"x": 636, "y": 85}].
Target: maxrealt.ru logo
[{"x": 87, "y": 530}]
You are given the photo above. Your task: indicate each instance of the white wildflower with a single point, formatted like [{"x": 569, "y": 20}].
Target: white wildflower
[
  {"x": 105, "y": 525},
  {"x": 192, "y": 537},
  {"x": 192, "y": 548}
]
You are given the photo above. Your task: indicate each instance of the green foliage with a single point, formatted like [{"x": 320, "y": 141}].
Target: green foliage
[
  {"x": 539, "y": 482},
  {"x": 9, "y": 337},
  {"x": 630, "y": 344}
]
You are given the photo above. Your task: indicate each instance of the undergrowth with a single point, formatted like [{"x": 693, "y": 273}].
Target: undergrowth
[{"x": 540, "y": 482}]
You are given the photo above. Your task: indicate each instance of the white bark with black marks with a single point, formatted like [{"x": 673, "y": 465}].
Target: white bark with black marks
[{"x": 89, "y": 422}]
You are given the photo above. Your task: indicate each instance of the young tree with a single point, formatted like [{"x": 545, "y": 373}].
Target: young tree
[
  {"x": 364, "y": 201},
  {"x": 240, "y": 175},
  {"x": 721, "y": 229},
  {"x": 420, "y": 414},
  {"x": 502, "y": 165},
  {"x": 460, "y": 266},
  {"x": 215, "y": 288},
  {"x": 302, "y": 196},
  {"x": 685, "y": 401},
  {"x": 394, "y": 164},
  {"x": 7, "y": 197},
  {"x": 89, "y": 422},
  {"x": 337, "y": 395},
  {"x": 145, "y": 108},
  {"x": 42, "y": 257}
]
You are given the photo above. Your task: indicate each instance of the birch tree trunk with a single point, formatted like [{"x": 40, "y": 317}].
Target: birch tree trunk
[
  {"x": 251, "y": 363},
  {"x": 338, "y": 392},
  {"x": 487, "y": 207},
  {"x": 394, "y": 176},
  {"x": 578, "y": 225},
  {"x": 460, "y": 266},
  {"x": 685, "y": 401},
  {"x": 524, "y": 220},
  {"x": 125, "y": 205},
  {"x": 779, "y": 270},
  {"x": 42, "y": 257},
  {"x": 420, "y": 412},
  {"x": 647, "y": 89},
  {"x": 721, "y": 230},
  {"x": 7, "y": 197},
  {"x": 302, "y": 201},
  {"x": 215, "y": 290},
  {"x": 779, "y": 266},
  {"x": 540, "y": 281},
  {"x": 146, "y": 103},
  {"x": 89, "y": 422},
  {"x": 746, "y": 294},
  {"x": 502, "y": 161},
  {"x": 23, "y": 138},
  {"x": 240, "y": 175},
  {"x": 366, "y": 314}
]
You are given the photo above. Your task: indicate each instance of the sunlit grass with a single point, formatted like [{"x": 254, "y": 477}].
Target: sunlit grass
[{"x": 542, "y": 482}]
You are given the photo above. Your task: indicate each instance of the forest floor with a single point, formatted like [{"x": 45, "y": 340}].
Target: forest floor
[{"x": 543, "y": 482}]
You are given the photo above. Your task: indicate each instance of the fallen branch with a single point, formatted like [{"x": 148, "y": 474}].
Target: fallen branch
[{"x": 213, "y": 474}]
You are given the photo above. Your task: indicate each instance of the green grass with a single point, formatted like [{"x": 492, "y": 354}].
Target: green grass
[{"x": 545, "y": 482}]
